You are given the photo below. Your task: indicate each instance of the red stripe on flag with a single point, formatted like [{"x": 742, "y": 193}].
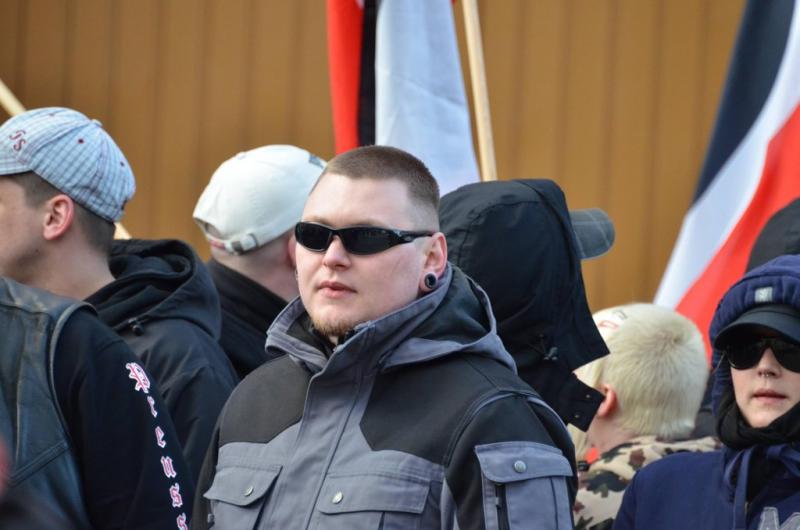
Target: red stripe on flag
[
  {"x": 779, "y": 185},
  {"x": 345, "y": 26}
]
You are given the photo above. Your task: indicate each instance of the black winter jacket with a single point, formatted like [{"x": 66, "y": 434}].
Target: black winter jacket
[{"x": 164, "y": 305}]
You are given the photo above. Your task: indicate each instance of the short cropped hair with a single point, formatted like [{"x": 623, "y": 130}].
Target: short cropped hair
[
  {"x": 382, "y": 162},
  {"x": 98, "y": 232},
  {"x": 656, "y": 365}
]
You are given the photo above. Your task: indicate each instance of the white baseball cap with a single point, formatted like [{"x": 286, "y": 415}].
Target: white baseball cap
[{"x": 256, "y": 196}]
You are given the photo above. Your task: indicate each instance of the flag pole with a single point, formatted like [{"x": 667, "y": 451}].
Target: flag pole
[
  {"x": 9, "y": 101},
  {"x": 480, "y": 92},
  {"x": 13, "y": 107}
]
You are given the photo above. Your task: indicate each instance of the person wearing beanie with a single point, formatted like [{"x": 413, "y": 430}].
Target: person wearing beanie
[
  {"x": 69, "y": 182},
  {"x": 247, "y": 213},
  {"x": 652, "y": 383},
  {"x": 753, "y": 482}
]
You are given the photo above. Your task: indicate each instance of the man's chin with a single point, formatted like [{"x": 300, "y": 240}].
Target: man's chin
[{"x": 332, "y": 328}]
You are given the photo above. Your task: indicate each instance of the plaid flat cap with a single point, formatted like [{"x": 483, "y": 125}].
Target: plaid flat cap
[{"x": 72, "y": 153}]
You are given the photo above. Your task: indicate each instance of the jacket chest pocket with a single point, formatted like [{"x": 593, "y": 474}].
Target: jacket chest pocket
[
  {"x": 238, "y": 494},
  {"x": 524, "y": 486},
  {"x": 378, "y": 501}
]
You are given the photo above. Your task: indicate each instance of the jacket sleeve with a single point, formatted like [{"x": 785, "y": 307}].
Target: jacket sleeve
[
  {"x": 195, "y": 378},
  {"x": 505, "y": 471},
  {"x": 201, "y": 509},
  {"x": 132, "y": 470},
  {"x": 195, "y": 403}
]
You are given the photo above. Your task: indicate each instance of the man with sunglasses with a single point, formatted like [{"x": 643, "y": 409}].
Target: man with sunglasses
[
  {"x": 395, "y": 405},
  {"x": 754, "y": 481}
]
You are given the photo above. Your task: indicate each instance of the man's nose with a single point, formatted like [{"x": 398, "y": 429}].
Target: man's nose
[{"x": 336, "y": 256}]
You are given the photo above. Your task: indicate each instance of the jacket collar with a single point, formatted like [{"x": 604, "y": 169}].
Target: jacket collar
[{"x": 455, "y": 317}]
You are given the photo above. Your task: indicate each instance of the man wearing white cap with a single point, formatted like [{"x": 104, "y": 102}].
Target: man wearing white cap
[{"x": 247, "y": 213}]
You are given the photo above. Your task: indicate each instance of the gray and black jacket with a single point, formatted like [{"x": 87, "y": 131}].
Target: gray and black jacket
[{"x": 416, "y": 421}]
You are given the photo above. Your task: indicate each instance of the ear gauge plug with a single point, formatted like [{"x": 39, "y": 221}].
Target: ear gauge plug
[{"x": 430, "y": 280}]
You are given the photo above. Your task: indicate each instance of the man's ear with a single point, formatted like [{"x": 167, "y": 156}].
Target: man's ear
[
  {"x": 435, "y": 261},
  {"x": 436, "y": 254},
  {"x": 291, "y": 250},
  {"x": 609, "y": 404},
  {"x": 59, "y": 214}
]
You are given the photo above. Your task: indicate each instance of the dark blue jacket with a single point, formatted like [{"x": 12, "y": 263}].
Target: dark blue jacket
[
  {"x": 688, "y": 490},
  {"x": 699, "y": 490}
]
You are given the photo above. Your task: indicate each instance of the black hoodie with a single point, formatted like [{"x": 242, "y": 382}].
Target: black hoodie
[
  {"x": 515, "y": 239},
  {"x": 164, "y": 305}
]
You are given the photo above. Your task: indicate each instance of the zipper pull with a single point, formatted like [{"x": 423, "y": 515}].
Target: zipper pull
[{"x": 136, "y": 326}]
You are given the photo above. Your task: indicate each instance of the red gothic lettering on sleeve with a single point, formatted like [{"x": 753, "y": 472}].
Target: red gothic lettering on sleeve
[
  {"x": 160, "y": 437},
  {"x": 175, "y": 494},
  {"x": 137, "y": 373},
  {"x": 169, "y": 470},
  {"x": 152, "y": 403}
]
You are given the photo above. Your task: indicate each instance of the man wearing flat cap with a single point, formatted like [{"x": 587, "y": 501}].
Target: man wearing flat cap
[
  {"x": 90, "y": 437},
  {"x": 74, "y": 183}
]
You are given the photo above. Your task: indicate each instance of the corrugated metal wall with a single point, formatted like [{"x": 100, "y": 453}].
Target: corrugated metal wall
[{"x": 613, "y": 99}]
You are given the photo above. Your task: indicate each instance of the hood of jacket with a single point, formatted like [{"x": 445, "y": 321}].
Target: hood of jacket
[
  {"x": 515, "y": 239},
  {"x": 156, "y": 280},
  {"x": 454, "y": 317}
]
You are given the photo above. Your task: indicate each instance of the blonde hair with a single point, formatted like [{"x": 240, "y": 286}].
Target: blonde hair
[{"x": 656, "y": 365}]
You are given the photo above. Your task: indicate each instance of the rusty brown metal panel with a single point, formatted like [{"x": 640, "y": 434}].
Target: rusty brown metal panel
[
  {"x": 585, "y": 112},
  {"x": 134, "y": 101},
  {"x": 271, "y": 92},
  {"x": 41, "y": 78},
  {"x": 11, "y": 36},
  {"x": 635, "y": 83},
  {"x": 87, "y": 75},
  {"x": 178, "y": 171}
]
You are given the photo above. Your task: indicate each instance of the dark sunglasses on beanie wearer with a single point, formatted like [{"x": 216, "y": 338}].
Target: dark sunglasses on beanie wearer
[
  {"x": 746, "y": 355},
  {"x": 362, "y": 240},
  {"x": 774, "y": 326}
]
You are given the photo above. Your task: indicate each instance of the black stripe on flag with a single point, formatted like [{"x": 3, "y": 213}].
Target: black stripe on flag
[
  {"x": 759, "y": 50},
  {"x": 366, "y": 92}
]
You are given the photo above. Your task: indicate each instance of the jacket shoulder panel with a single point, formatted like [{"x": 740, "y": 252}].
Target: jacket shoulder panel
[
  {"x": 438, "y": 394},
  {"x": 266, "y": 403}
]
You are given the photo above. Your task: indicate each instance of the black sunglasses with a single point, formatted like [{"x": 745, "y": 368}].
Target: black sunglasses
[
  {"x": 742, "y": 356},
  {"x": 355, "y": 239}
]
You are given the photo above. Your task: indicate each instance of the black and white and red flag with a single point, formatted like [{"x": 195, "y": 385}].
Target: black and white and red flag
[
  {"x": 752, "y": 167},
  {"x": 396, "y": 80}
]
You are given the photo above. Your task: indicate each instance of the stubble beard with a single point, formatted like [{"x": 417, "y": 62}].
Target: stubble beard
[{"x": 332, "y": 328}]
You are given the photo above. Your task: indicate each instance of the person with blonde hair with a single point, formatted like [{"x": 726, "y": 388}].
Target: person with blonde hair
[{"x": 653, "y": 382}]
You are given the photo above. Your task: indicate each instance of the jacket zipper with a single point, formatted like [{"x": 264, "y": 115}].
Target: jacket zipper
[{"x": 502, "y": 508}]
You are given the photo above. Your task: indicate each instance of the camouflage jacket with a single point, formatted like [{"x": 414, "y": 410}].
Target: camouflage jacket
[{"x": 602, "y": 484}]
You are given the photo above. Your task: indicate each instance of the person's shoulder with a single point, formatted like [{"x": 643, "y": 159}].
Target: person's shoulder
[
  {"x": 677, "y": 467},
  {"x": 267, "y": 401},
  {"x": 85, "y": 325},
  {"x": 480, "y": 373},
  {"x": 178, "y": 346}
]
